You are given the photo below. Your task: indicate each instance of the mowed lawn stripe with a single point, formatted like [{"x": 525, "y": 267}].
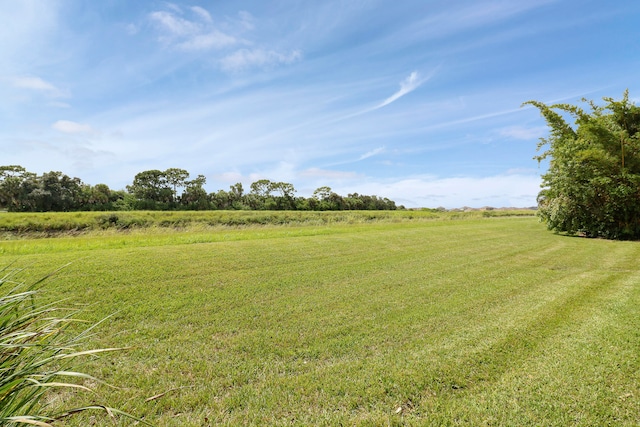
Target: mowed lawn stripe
[
  {"x": 573, "y": 362},
  {"x": 478, "y": 322}
]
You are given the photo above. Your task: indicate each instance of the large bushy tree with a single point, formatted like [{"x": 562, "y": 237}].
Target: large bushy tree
[
  {"x": 22, "y": 191},
  {"x": 152, "y": 189},
  {"x": 592, "y": 185},
  {"x": 13, "y": 188}
]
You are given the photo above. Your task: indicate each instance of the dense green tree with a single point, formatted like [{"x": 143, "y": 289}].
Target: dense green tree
[
  {"x": 151, "y": 189},
  {"x": 100, "y": 195},
  {"x": 285, "y": 195},
  {"x": 177, "y": 178},
  {"x": 194, "y": 195},
  {"x": 23, "y": 191},
  {"x": 592, "y": 185},
  {"x": 105, "y": 198},
  {"x": 322, "y": 193},
  {"x": 328, "y": 200},
  {"x": 122, "y": 201},
  {"x": 261, "y": 188},
  {"x": 12, "y": 180},
  {"x": 54, "y": 191},
  {"x": 354, "y": 202},
  {"x": 259, "y": 197},
  {"x": 220, "y": 200},
  {"x": 237, "y": 196}
]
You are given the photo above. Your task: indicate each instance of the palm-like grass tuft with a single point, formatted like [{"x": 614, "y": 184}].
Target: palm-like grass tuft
[{"x": 36, "y": 351}]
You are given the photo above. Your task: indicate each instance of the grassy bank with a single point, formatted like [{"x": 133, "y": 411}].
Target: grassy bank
[
  {"x": 471, "y": 322},
  {"x": 56, "y": 223}
]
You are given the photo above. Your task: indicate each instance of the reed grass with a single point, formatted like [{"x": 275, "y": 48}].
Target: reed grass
[{"x": 36, "y": 355}]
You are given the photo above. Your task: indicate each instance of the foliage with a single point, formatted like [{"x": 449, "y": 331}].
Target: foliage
[
  {"x": 36, "y": 351},
  {"x": 22, "y": 191},
  {"x": 152, "y": 188},
  {"x": 592, "y": 185}
]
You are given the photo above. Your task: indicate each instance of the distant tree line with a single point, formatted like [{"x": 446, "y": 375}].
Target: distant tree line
[{"x": 172, "y": 189}]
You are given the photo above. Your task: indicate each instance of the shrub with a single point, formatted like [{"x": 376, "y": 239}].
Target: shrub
[{"x": 592, "y": 186}]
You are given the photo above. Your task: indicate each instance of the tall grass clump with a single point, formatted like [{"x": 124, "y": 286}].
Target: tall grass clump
[{"x": 36, "y": 353}]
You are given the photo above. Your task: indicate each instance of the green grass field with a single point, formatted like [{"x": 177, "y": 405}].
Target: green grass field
[{"x": 475, "y": 321}]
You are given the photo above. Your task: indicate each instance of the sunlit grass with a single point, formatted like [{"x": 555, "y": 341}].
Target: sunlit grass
[{"x": 489, "y": 321}]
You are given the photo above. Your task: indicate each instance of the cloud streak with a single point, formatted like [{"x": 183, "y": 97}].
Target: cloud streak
[
  {"x": 371, "y": 153},
  {"x": 69, "y": 127},
  {"x": 408, "y": 85},
  {"x": 245, "y": 58},
  {"x": 194, "y": 30},
  {"x": 523, "y": 133},
  {"x": 206, "y": 16},
  {"x": 38, "y": 84},
  {"x": 198, "y": 33}
]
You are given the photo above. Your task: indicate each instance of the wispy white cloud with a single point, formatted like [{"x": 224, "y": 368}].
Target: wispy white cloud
[
  {"x": 247, "y": 20},
  {"x": 211, "y": 40},
  {"x": 408, "y": 85},
  {"x": 35, "y": 83},
  {"x": 278, "y": 171},
  {"x": 26, "y": 34},
  {"x": 131, "y": 29},
  {"x": 472, "y": 15},
  {"x": 318, "y": 173},
  {"x": 198, "y": 33},
  {"x": 58, "y": 104},
  {"x": 514, "y": 188},
  {"x": 69, "y": 127},
  {"x": 229, "y": 177},
  {"x": 173, "y": 7},
  {"x": 505, "y": 190},
  {"x": 473, "y": 118},
  {"x": 477, "y": 14},
  {"x": 206, "y": 16},
  {"x": 195, "y": 30},
  {"x": 371, "y": 153},
  {"x": 523, "y": 133},
  {"x": 244, "y": 58},
  {"x": 175, "y": 26},
  {"x": 38, "y": 84}
]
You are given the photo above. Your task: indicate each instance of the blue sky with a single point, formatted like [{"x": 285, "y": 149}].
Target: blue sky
[{"x": 418, "y": 101}]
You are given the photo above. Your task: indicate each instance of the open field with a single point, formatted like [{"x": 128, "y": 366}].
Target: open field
[{"x": 474, "y": 321}]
